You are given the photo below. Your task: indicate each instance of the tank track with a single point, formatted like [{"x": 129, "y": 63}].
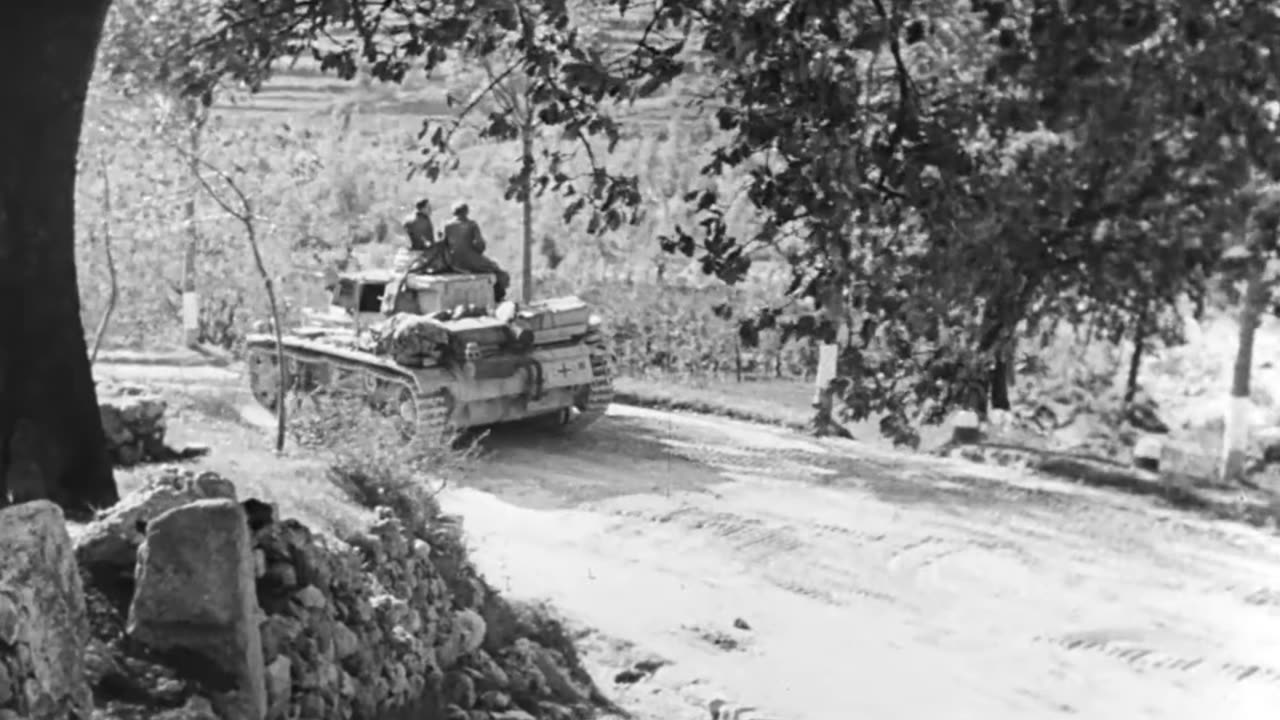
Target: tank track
[
  {"x": 264, "y": 372},
  {"x": 425, "y": 417},
  {"x": 600, "y": 394},
  {"x": 388, "y": 391},
  {"x": 591, "y": 404}
]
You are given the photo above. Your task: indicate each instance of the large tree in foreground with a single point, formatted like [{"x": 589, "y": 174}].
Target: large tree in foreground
[{"x": 51, "y": 438}]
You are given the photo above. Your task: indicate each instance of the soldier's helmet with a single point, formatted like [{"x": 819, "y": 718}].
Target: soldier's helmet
[
  {"x": 422, "y": 204},
  {"x": 460, "y": 209}
]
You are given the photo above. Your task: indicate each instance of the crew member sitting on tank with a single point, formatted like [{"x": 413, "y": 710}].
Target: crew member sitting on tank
[
  {"x": 432, "y": 252},
  {"x": 466, "y": 250}
]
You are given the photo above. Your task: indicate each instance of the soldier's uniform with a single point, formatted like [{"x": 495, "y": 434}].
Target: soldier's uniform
[
  {"x": 432, "y": 253},
  {"x": 466, "y": 253},
  {"x": 421, "y": 232}
]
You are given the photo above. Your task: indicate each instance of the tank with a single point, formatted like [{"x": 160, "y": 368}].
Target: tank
[{"x": 435, "y": 351}]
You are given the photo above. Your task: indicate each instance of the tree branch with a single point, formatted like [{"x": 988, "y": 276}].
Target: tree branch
[
  {"x": 246, "y": 217},
  {"x": 114, "y": 292},
  {"x": 476, "y": 99}
]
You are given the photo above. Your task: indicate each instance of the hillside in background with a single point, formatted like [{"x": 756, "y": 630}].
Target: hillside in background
[{"x": 327, "y": 163}]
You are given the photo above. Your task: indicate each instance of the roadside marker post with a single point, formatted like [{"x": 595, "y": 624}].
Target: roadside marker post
[{"x": 1147, "y": 452}]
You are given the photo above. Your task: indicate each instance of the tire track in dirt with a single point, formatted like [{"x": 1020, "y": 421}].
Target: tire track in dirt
[
  {"x": 1142, "y": 656},
  {"x": 995, "y": 548},
  {"x": 810, "y": 561},
  {"x": 836, "y": 563},
  {"x": 1263, "y": 597},
  {"x": 885, "y": 477},
  {"x": 906, "y": 571}
]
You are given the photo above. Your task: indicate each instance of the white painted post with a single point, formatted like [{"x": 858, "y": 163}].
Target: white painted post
[
  {"x": 1147, "y": 451},
  {"x": 965, "y": 428},
  {"x": 1235, "y": 435},
  {"x": 191, "y": 317},
  {"x": 828, "y": 360},
  {"x": 827, "y": 355}
]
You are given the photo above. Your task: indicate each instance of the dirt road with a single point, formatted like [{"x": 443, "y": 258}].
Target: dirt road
[{"x": 833, "y": 581}]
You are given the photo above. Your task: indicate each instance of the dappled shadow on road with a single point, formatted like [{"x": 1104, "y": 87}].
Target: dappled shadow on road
[
  {"x": 907, "y": 480},
  {"x": 622, "y": 455},
  {"x": 536, "y": 467}
]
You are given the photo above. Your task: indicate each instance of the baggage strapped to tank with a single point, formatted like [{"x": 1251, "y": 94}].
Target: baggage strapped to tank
[
  {"x": 554, "y": 321},
  {"x": 409, "y": 291}
]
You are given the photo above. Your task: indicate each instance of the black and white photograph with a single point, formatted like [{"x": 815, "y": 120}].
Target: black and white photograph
[{"x": 640, "y": 360}]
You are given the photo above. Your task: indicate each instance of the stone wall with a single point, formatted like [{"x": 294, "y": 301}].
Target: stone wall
[
  {"x": 134, "y": 423},
  {"x": 203, "y": 606},
  {"x": 133, "y": 420}
]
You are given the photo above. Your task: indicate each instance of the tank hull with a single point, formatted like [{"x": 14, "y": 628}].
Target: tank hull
[{"x": 569, "y": 384}]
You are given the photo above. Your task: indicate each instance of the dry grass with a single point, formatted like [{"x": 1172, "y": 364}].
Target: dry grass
[
  {"x": 369, "y": 458},
  {"x": 346, "y": 465}
]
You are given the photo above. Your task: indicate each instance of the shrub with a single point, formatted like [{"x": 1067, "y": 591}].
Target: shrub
[{"x": 370, "y": 459}]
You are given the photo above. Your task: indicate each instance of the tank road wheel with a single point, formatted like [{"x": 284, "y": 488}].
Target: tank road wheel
[
  {"x": 305, "y": 376},
  {"x": 264, "y": 378},
  {"x": 423, "y": 416},
  {"x": 304, "y": 386}
]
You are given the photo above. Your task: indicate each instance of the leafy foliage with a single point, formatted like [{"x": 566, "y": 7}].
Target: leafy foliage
[
  {"x": 156, "y": 47},
  {"x": 317, "y": 191},
  {"x": 942, "y": 177},
  {"x": 957, "y": 172},
  {"x": 566, "y": 81}
]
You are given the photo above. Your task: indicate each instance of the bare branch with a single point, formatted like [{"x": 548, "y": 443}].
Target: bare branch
[
  {"x": 246, "y": 217},
  {"x": 507, "y": 97},
  {"x": 245, "y": 213},
  {"x": 114, "y": 292},
  {"x": 476, "y": 99}
]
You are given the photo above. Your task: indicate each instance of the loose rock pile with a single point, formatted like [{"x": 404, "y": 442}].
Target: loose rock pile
[
  {"x": 202, "y": 606},
  {"x": 133, "y": 420}
]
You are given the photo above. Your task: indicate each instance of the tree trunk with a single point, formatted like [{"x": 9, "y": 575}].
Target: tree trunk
[
  {"x": 51, "y": 439},
  {"x": 1135, "y": 360},
  {"x": 1000, "y": 383},
  {"x": 1235, "y": 427},
  {"x": 824, "y": 422},
  {"x": 994, "y": 394},
  {"x": 194, "y": 125},
  {"x": 526, "y": 248}
]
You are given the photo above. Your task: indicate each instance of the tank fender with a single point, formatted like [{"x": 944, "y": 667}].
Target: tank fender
[{"x": 498, "y": 368}]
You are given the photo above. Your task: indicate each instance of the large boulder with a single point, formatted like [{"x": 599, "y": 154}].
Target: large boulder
[
  {"x": 108, "y": 546},
  {"x": 195, "y": 603},
  {"x": 43, "y": 624}
]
